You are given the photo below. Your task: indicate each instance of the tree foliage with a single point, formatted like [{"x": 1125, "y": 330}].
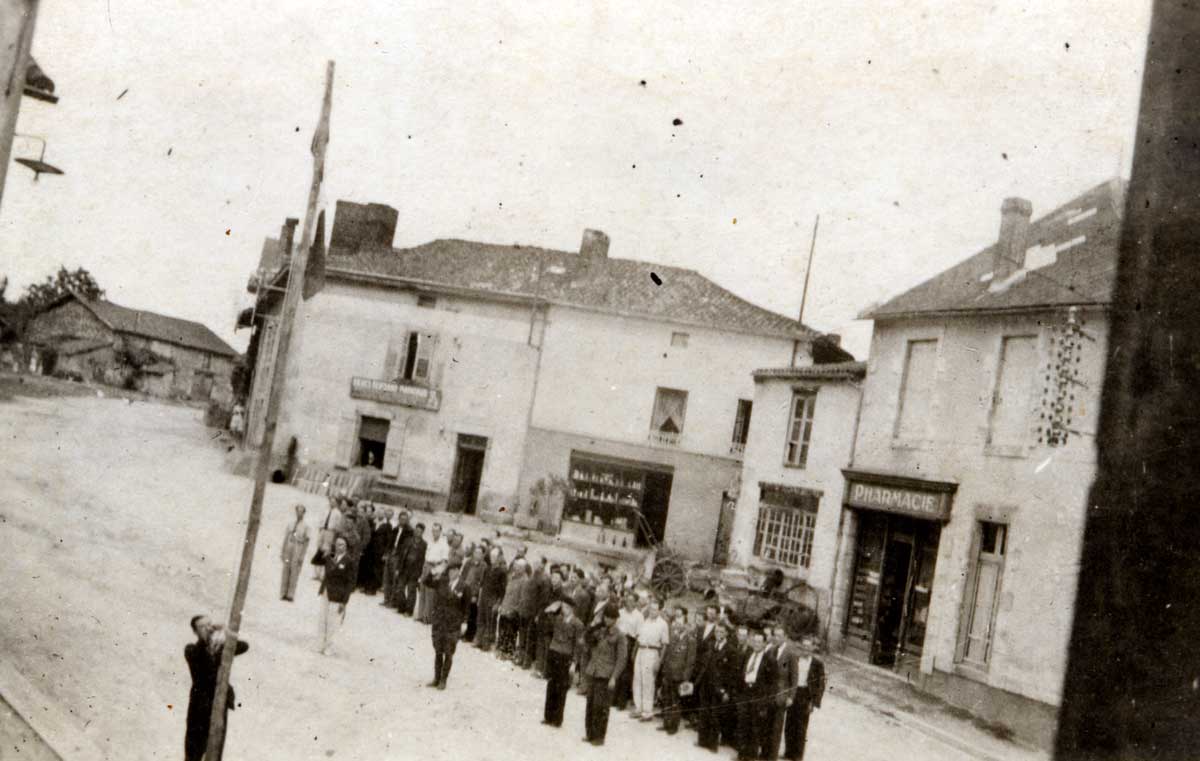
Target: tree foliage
[{"x": 78, "y": 280}]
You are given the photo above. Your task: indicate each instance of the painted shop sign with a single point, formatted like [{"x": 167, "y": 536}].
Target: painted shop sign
[{"x": 930, "y": 505}]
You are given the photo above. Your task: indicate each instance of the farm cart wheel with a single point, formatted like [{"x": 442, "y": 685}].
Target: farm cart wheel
[
  {"x": 669, "y": 579},
  {"x": 797, "y": 620}
]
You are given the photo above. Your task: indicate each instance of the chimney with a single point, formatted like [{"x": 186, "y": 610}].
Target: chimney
[
  {"x": 1008, "y": 256},
  {"x": 287, "y": 235},
  {"x": 594, "y": 245},
  {"x": 358, "y": 225}
]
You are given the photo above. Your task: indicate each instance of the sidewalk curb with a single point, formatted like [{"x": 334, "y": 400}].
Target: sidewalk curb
[
  {"x": 903, "y": 717},
  {"x": 55, "y": 728}
]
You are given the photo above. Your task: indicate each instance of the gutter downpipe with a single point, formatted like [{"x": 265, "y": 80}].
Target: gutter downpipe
[{"x": 538, "y": 304}]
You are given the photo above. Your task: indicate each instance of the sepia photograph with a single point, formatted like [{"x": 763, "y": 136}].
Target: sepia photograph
[{"x": 600, "y": 380}]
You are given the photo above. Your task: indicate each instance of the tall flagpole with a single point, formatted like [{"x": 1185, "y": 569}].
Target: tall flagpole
[
  {"x": 291, "y": 299},
  {"x": 808, "y": 270}
]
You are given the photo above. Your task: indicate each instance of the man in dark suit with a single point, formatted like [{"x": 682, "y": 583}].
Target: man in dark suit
[
  {"x": 204, "y": 661},
  {"x": 534, "y": 601},
  {"x": 717, "y": 669},
  {"x": 392, "y": 584},
  {"x": 757, "y": 695},
  {"x": 786, "y": 658},
  {"x": 412, "y": 565},
  {"x": 383, "y": 534},
  {"x": 706, "y": 631},
  {"x": 447, "y": 586},
  {"x": 732, "y": 681},
  {"x": 606, "y": 661},
  {"x": 807, "y": 697}
]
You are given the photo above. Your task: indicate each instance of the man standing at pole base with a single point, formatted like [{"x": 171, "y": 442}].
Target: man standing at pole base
[{"x": 291, "y": 299}]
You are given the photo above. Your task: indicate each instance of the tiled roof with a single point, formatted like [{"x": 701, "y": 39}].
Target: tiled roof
[
  {"x": 620, "y": 286},
  {"x": 835, "y": 371},
  {"x": 1075, "y": 246},
  {"x": 160, "y": 327}
]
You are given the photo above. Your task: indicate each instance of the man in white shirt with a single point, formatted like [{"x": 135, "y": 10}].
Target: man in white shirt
[
  {"x": 439, "y": 547},
  {"x": 438, "y": 551},
  {"x": 629, "y": 621},
  {"x": 652, "y": 637}
]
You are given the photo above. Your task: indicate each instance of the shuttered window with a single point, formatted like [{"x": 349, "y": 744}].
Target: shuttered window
[
  {"x": 1012, "y": 398},
  {"x": 983, "y": 595},
  {"x": 410, "y": 357},
  {"x": 916, "y": 390},
  {"x": 800, "y": 429}
]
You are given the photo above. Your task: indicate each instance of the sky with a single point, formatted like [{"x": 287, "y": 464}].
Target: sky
[{"x": 184, "y": 132}]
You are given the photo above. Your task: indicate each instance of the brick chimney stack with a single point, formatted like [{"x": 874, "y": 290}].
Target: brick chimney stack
[
  {"x": 357, "y": 226},
  {"x": 594, "y": 245},
  {"x": 1008, "y": 256},
  {"x": 287, "y": 235}
]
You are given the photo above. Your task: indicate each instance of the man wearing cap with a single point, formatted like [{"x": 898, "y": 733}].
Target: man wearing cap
[
  {"x": 446, "y": 585},
  {"x": 678, "y": 662},
  {"x": 606, "y": 661},
  {"x": 564, "y": 642}
]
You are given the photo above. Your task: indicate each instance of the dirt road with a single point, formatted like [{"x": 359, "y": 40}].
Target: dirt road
[{"x": 119, "y": 523}]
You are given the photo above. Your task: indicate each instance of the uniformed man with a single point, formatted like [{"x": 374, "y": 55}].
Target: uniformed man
[{"x": 606, "y": 662}]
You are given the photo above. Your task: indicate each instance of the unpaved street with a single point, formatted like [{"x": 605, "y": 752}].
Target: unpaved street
[{"x": 119, "y": 522}]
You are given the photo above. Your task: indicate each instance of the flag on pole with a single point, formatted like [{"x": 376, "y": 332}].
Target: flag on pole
[{"x": 314, "y": 278}]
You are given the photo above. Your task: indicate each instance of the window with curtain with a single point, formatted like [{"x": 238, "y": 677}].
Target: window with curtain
[{"x": 669, "y": 407}]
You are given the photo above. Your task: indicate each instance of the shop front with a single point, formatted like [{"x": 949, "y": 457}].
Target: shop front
[
  {"x": 614, "y": 502},
  {"x": 899, "y": 523}
]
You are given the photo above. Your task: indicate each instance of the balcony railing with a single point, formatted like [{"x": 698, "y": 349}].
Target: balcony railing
[
  {"x": 664, "y": 439},
  {"x": 392, "y": 392},
  {"x": 737, "y": 448}
]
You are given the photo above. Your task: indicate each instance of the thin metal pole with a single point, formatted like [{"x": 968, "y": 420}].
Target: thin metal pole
[
  {"x": 216, "y": 736},
  {"x": 808, "y": 270}
]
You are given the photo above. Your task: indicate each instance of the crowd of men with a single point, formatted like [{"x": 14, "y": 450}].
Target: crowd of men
[{"x": 752, "y": 690}]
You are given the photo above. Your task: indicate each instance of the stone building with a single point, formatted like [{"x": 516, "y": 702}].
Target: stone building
[
  {"x": 965, "y": 496},
  {"x": 573, "y": 389},
  {"x": 789, "y": 512},
  {"x": 100, "y": 341}
]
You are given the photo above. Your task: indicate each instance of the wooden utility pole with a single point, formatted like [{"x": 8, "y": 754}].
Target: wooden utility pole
[
  {"x": 291, "y": 299},
  {"x": 808, "y": 270},
  {"x": 1132, "y": 687}
]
